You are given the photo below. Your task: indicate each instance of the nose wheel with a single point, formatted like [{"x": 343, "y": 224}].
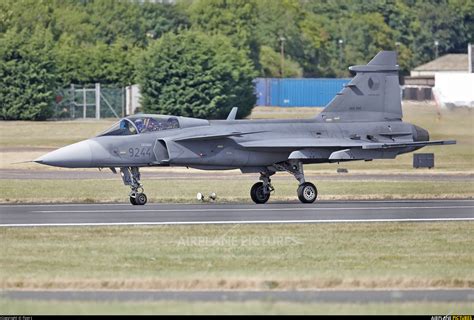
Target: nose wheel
[
  {"x": 131, "y": 177},
  {"x": 258, "y": 194},
  {"x": 260, "y": 191},
  {"x": 138, "y": 199}
]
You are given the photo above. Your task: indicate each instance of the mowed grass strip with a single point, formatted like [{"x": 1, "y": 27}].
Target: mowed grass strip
[
  {"x": 269, "y": 256},
  {"x": 212, "y": 308},
  {"x": 231, "y": 190},
  {"x": 52, "y": 134}
]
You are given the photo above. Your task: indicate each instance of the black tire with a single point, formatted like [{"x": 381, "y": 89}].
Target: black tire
[
  {"x": 307, "y": 192},
  {"x": 140, "y": 199},
  {"x": 132, "y": 201},
  {"x": 257, "y": 194}
]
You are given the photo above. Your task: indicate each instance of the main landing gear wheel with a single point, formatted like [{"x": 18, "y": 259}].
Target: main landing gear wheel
[
  {"x": 307, "y": 192},
  {"x": 258, "y": 194},
  {"x": 132, "y": 201}
]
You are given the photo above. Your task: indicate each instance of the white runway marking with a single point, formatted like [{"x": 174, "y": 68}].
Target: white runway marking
[
  {"x": 231, "y": 222},
  {"x": 252, "y": 209},
  {"x": 270, "y": 203}
]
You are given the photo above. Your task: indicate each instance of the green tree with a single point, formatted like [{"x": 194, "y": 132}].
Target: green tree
[
  {"x": 27, "y": 75},
  {"x": 444, "y": 21},
  {"x": 197, "y": 75},
  {"x": 26, "y": 15},
  {"x": 90, "y": 63},
  {"x": 315, "y": 39},
  {"x": 364, "y": 36},
  {"x": 271, "y": 65},
  {"x": 278, "y": 19},
  {"x": 235, "y": 19},
  {"x": 158, "y": 19}
]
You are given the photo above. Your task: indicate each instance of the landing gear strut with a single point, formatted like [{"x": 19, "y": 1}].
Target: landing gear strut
[
  {"x": 131, "y": 177},
  {"x": 260, "y": 192},
  {"x": 307, "y": 192}
]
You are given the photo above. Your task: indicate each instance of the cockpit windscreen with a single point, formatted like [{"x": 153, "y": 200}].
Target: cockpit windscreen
[{"x": 137, "y": 125}]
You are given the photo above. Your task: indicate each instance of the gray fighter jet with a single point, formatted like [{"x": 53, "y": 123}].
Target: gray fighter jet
[{"x": 362, "y": 122}]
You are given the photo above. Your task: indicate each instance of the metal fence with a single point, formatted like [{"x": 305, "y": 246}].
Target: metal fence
[{"x": 89, "y": 102}]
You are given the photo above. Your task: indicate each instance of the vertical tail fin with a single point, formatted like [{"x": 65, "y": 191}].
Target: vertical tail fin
[{"x": 372, "y": 95}]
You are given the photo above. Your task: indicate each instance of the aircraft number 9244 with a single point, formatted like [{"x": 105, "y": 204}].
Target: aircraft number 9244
[{"x": 139, "y": 152}]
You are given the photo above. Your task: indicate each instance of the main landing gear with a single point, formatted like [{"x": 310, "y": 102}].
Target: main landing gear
[
  {"x": 307, "y": 192},
  {"x": 131, "y": 177}
]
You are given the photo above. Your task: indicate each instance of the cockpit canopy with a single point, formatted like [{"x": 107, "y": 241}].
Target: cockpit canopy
[{"x": 141, "y": 124}]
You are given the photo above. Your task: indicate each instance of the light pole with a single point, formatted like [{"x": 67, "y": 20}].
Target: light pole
[
  {"x": 282, "y": 53},
  {"x": 341, "y": 42},
  {"x": 436, "y": 43}
]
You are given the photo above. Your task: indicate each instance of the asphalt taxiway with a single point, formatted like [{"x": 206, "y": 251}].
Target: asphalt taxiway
[
  {"x": 213, "y": 213},
  {"x": 314, "y": 296}
]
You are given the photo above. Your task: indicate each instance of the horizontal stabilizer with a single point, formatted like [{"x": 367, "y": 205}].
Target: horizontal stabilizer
[{"x": 407, "y": 144}]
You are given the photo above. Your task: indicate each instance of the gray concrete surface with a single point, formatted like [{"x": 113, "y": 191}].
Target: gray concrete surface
[
  {"x": 213, "y": 213},
  {"x": 331, "y": 296}
]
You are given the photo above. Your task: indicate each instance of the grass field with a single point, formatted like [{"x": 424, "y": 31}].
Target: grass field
[
  {"x": 231, "y": 190},
  {"x": 298, "y": 256},
  {"x": 264, "y": 308}
]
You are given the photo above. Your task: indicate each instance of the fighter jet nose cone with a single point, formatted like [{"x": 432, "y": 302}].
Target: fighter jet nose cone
[{"x": 77, "y": 155}]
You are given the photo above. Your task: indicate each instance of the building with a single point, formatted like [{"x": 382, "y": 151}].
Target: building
[
  {"x": 418, "y": 86},
  {"x": 453, "y": 62}
]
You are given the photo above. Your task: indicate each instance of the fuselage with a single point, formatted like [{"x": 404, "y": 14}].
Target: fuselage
[{"x": 223, "y": 144}]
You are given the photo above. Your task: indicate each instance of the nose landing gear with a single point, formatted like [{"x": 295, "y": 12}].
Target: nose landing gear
[
  {"x": 131, "y": 177},
  {"x": 260, "y": 191}
]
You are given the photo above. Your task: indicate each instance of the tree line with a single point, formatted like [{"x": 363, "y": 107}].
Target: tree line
[{"x": 199, "y": 57}]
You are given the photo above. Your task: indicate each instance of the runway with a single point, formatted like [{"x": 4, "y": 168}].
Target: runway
[
  {"x": 36, "y": 215},
  {"x": 314, "y": 296}
]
